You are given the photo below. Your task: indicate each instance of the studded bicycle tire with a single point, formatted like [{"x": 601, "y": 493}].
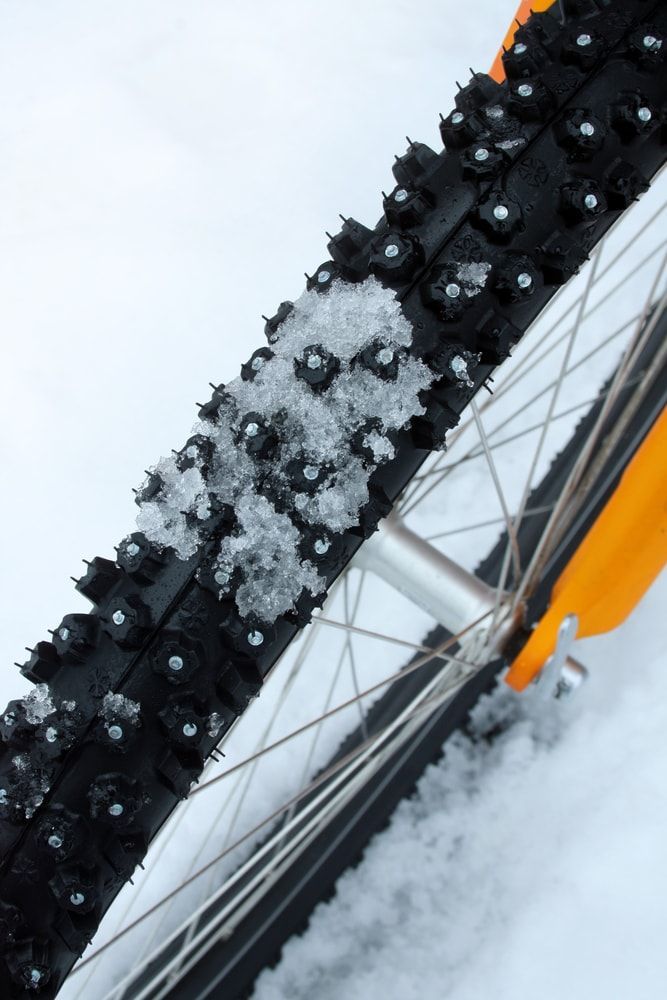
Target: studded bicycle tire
[{"x": 534, "y": 172}]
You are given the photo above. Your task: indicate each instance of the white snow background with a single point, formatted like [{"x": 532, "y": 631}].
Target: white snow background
[{"x": 166, "y": 174}]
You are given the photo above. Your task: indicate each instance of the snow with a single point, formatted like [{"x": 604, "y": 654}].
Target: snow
[
  {"x": 312, "y": 429},
  {"x": 529, "y": 866},
  {"x": 168, "y": 172},
  {"x": 38, "y": 704}
]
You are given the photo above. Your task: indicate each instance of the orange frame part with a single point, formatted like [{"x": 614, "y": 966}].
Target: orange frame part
[
  {"x": 615, "y": 564},
  {"x": 525, "y": 8}
]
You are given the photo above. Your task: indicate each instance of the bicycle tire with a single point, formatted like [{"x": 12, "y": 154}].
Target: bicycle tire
[{"x": 61, "y": 771}]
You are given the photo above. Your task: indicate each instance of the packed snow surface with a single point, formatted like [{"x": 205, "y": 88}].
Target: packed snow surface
[
  {"x": 314, "y": 428},
  {"x": 529, "y": 866}
]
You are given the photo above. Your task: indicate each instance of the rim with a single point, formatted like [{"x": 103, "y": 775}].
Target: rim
[{"x": 242, "y": 826}]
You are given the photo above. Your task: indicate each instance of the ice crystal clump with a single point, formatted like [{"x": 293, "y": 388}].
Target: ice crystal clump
[
  {"x": 473, "y": 277},
  {"x": 38, "y": 704},
  {"x": 117, "y": 706},
  {"x": 30, "y": 781},
  {"x": 314, "y": 429}
]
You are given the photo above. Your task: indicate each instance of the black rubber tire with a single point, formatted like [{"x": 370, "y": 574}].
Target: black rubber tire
[{"x": 59, "y": 775}]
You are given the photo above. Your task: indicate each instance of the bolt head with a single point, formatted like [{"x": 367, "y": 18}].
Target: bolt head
[
  {"x": 116, "y": 809},
  {"x": 524, "y": 280},
  {"x": 132, "y": 549},
  {"x": 501, "y": 212},
  {"x": 77, "y": 898},
  {"x": 189, "y": 729},
  {"x": 591, "y": 202},
  {"x": 453, "y": 290},
  {"x": 321, "y": 546},
  {"x": 587, "y": 129},
  {"x": 323, "y": 276},
  {"x": 401, "y": 195},
  {"x": 481, "y": 154},
  {"x": 118, "y": 617},
  {"x": 644, "y": 114},
  {"x": 520, "y": 48},
  {"x": 524, "y": 90},
  {"x": 384, "y": 356},
  {"x": 252, "y": 430},
  {"x": 652, "y": 43},
  {"x": 314, "y": 361},
  {"x": 115, "y": 732},
  {"x": 391, "y": 250},
  {"x": 255, "y": 638},
  {"x": 457, "y": 118},
  {"x": 584, "y": 40},
  {"x": 55, "y": 841},
  {"x": 175, "y": 663}
]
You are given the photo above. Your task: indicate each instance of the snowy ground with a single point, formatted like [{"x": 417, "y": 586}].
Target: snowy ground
[
  {"x": 533, "y": 867},
  {"x": 167, "y": 174}
]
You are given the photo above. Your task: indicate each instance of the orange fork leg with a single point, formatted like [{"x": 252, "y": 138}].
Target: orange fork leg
[{"x": 616, "y": 562}]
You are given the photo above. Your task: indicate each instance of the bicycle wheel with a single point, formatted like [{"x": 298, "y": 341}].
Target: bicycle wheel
[{"x": 128, "y": 629}]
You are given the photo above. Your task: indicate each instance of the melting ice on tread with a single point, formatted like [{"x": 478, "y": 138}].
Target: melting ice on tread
[{"x": 314, "y": 428}]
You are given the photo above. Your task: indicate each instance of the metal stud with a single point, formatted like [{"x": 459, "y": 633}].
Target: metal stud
[
  {"x": 591, "y": 202},
  {"x": 321, "y": 546},
  {"x": 255, "y": 638},
  {"x": 77, "y": 898},
  {"x": 116, "y": 809},
  {"x": 64, "y": 633},
  {"x": 652, "y": 43},
  {"x": 401, "y": 195},
  {"x": 175, "y": 663},
  {"x": 524, "y": 90},
  {"x": 644, "y": 114},
  {"x": 453, "y": 290},
  {"x": 118, "y": 617},
  {"x": 55, "y": 841},
  {"x": 384, "y": 356},
  {"x": 457, "y": 118},
  {"x": 481, "y": 154},
  {"x": 311, "y": 472},
  {"x": 251, "y": 430},
  {"x": 501, "y": 212},
  {"x": 314, "y": 361},
  {"x": 584, "y": 40},
  {"x": 189, "y": 729},
  {"x": 115, "y": 732},
  {"x": 132, "y": 549},
  {"x": 524, "y": 280},
  {"x": 391, "y": 250},
  {"x": 587, "y": 129},
  {"x": 520, "y": 48},
  {"x": 323, "y": 276}
]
